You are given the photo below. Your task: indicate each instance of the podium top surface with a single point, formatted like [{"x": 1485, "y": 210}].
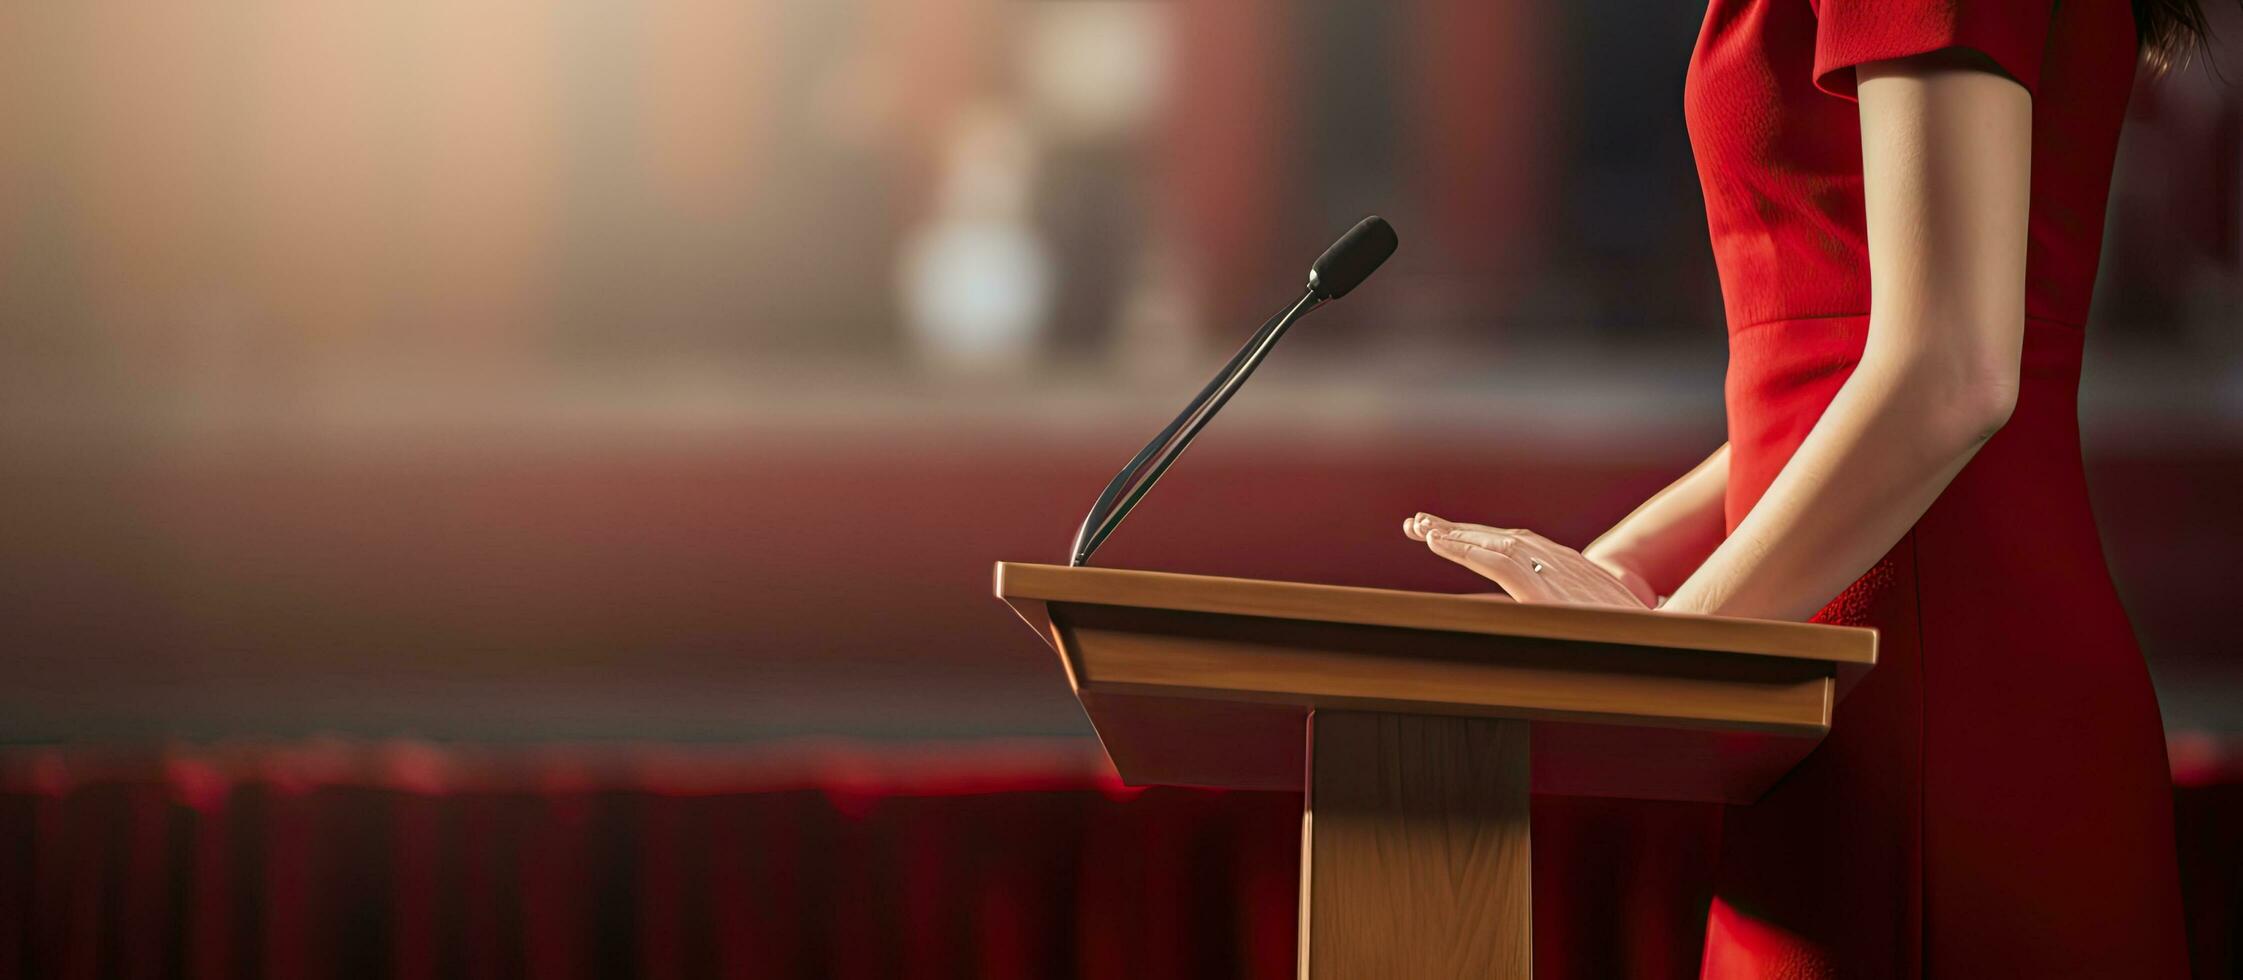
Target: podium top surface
[
  {"x": 1202, "y": 680},
  {"x": 1852, "y": 649}
]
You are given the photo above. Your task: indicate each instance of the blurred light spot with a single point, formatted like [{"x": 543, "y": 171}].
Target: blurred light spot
[
  {"x": 975, "y": 280},
  {"x": 1097, "y": 69}
]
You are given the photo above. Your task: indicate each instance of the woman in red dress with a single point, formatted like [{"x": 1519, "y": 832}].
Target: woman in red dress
[{"x": 1906, "y": 202}]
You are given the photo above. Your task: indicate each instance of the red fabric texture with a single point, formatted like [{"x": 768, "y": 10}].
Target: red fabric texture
[
  {"x": 1851, "y": 33},
  {"x": 1919, "y": 840},
  {"x": 1779, "y": 159}
]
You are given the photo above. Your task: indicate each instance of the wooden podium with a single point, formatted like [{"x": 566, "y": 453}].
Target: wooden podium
[{"x": 1416, "y": 724}]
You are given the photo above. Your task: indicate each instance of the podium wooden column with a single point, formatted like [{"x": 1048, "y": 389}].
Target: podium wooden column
[{"x": 1416, "y": 725}]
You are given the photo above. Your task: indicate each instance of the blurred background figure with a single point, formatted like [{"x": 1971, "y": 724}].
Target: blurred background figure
[{"x": 508, "y": 488}]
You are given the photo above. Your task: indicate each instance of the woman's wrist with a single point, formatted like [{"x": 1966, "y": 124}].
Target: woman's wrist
[
  {"x": 1615, "y": 557},
  {"x": 1623, "y": 565}
]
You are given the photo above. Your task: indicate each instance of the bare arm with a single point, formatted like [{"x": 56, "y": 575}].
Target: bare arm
[
  {"x": 1670, "y": 535},
  {"x": 1946, "y": 173}
]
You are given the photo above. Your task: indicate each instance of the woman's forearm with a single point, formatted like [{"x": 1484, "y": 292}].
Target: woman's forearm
[
  {"x": 1666, "y": 538},
  {"x": 1894, "y": 436}
]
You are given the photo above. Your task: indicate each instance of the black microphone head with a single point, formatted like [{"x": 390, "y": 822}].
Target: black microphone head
[{"x": 1352, "y": 259}]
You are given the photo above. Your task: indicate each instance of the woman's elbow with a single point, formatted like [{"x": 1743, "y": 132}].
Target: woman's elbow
[
  {"x": 1954, "y": 402},
  {"x": 1971, "y": 406}
]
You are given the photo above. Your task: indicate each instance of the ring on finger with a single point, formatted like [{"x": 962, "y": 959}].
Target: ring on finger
[{"x": 1536, "y": 564}]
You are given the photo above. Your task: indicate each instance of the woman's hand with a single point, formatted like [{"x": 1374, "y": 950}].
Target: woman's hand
[{"x": 1530, "y": 567}]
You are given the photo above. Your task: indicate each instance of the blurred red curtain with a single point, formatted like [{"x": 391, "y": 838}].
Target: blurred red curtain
[{"x": 155, "y": 866}]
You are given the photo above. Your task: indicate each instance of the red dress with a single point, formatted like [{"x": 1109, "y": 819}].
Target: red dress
[{"x": 1993, "y": 800}]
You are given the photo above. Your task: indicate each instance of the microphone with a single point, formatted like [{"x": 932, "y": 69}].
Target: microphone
[
  {"x": 1334, "y": 274},
  {"x": 1352, "y": 259}
]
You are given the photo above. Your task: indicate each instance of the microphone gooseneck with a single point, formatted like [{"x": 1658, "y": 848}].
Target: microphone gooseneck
[{"x": 1334, "y": 274}]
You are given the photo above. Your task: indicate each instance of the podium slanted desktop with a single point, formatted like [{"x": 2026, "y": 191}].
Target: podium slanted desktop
[{"x": 1416, "y": 724}]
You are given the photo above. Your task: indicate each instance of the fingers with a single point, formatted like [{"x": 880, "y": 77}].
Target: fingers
[
  {"x": 1504, "y": 540},
  {"x": 1530, "y": 567},
  {"x": 1418, "y": 524},
  {"x": 1475, "y": 550}
]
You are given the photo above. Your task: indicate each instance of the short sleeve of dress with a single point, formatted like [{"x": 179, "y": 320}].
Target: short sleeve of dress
[{"x": 1855, "y": 32}]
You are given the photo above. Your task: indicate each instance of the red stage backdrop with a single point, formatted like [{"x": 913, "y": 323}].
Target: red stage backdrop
[{"x": 1014, "y": 860}]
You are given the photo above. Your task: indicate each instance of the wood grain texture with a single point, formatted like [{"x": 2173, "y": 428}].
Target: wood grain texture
[
  {"x": 1416, "y": 851},
  {"x": 1157, "y": 741},
  {"x": 1337, "y": 665}
]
